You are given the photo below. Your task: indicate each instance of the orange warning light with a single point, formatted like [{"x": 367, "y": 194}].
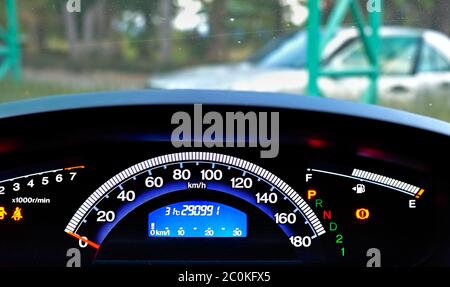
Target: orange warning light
[
  {"x": 362, "y": 213},
  {"x": 2, "y": 213},
  {"x": 17, "y": 215},
  {"x": 311, "y": 194}
]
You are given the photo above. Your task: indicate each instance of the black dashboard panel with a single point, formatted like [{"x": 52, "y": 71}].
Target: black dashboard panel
[{"x": 98, "y": 183}]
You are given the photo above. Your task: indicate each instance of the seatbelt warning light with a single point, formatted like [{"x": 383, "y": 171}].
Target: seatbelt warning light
[
  {"x": 2, "y": 213},
  {"x": 17, "y": 215}
]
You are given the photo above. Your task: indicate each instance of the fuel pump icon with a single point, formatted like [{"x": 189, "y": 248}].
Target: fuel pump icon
[{"x": 360, "y": 188}]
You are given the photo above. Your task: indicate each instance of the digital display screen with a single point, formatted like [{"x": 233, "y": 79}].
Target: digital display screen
[{"x": 197, "y": 219}]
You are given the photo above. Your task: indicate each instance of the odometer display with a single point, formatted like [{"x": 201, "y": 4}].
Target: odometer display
[{"x": 197, "y": 219}]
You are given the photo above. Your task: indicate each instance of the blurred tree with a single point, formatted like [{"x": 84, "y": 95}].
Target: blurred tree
[
  {"x": 257, "y": 22},
  {"x": 84, "y": 31},
  {"x": 218, "y": 17},
  {"x": 441, "y": 16},
  {"x": 71, "y": 29},
  {"x": 165, "y": 35},
  {"x": 35, "y": 17},
  {"x": 433, "y": 14},
  {"x": 92, "y": 24},
  {"x": 152, "y": 41},
  {"x": 234, "y": 29}
]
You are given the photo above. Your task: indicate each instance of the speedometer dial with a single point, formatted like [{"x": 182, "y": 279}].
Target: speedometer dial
[{"x": 160, "y": 209}]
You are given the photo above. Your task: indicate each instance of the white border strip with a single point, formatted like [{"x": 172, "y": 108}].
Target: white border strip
[{"x": 116, "y": 180}]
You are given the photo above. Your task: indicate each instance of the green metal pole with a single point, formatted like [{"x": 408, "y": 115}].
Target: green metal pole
[
  {"x": 13, "y": 39},
  {"x": 362, "y": 29},
  {"x": 313, "y": 54},
  {"x": 371, "y": 43},
  {"x": 375, "y": 20},
  {"x": 336, "y": 18}
]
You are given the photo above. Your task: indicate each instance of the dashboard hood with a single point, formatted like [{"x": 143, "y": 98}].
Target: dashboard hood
[
  {"x": 241, "y": 76},
  {"x": 220, "y": 98}
]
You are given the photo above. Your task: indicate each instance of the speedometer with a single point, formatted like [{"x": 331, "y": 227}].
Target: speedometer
[{"x": 168, "y": 206}]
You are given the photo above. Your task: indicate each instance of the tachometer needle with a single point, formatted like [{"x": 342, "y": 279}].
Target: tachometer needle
[{"x": 84, "y": 239}]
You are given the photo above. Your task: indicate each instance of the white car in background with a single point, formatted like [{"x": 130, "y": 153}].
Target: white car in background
[{"x": 414, "y": 63}]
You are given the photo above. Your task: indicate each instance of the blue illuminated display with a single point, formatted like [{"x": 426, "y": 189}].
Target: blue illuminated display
[{"x": 197, "y": 219}]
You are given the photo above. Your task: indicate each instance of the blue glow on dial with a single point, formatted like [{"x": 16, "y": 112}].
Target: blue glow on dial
[{"x": 197, "y": 219}]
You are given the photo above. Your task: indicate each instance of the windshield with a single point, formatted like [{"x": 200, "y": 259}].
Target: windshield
[
  {"x": 288, "y": 52},
  {"x": 60, "y": 47},
  {"x": 397, "y": 56}
]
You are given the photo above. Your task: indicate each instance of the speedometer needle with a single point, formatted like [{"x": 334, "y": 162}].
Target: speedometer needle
[{"x": 84, "y": 239}]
